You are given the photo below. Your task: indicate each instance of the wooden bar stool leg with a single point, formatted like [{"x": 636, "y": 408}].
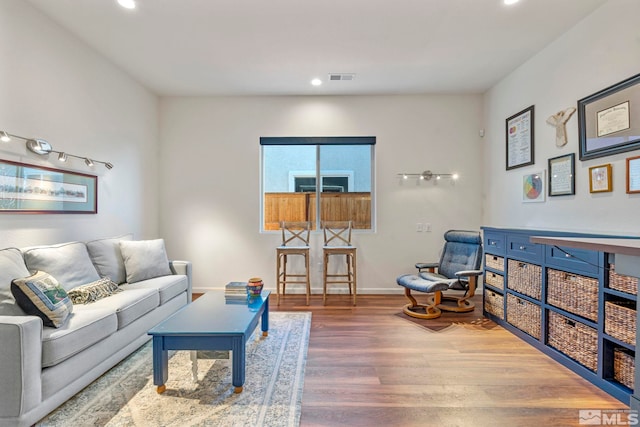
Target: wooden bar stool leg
[
  {"x": 278, "y": 279},
  {"x": 324, "y": 278},
  {"x": 355, "y": 283},
  {"x": 306, "y": 259},
  {"x": 284, "y": 274}
]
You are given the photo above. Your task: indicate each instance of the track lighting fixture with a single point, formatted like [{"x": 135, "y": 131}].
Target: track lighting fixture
[
  {"x": 428, "y": 175},
  {"x": 42, "y": 148}
]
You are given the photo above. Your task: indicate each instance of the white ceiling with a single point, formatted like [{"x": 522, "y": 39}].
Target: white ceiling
[{"x": 275, "y": 47}]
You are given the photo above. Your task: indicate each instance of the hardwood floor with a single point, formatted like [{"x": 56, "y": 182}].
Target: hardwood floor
[{"x": 371, "y": 365}]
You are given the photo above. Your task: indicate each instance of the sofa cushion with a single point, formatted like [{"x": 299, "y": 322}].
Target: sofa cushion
[
  {"x": 144, "y": 259},
  {"x": 85, "y": 327},
  {"x": 167, "y": 286},
  {"x": 41, "y": 295},
  {"x": 107, "y": 258},
  {"x": 69, "y": 263},
  {"x": 94, "y": 291},
  {"x": 130, "y": 304},
  {"x": 11, "y": 267}
]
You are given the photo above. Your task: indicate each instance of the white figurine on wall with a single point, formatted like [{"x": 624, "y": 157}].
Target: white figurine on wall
[{"x": 559, "y": 120}]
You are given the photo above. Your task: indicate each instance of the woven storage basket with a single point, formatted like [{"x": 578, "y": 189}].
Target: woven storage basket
[
  {"x": 524, "y": 315},
  {"x": 494, "y": 303},
  {"x": 575, "y": 339},
  {"x": 620, "y": 320},
  {"x": 624, "y": 367},
  {"x": 525, "y": 278},
  {"x": 495, "y": 262},
  {"x": 622, "y": 283},
  {"x": 494, "y": 279},
  {"x": 573, "y": 292}
]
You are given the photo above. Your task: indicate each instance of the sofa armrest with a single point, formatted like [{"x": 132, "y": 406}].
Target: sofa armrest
[
  {"x": 183, "y": 267},
  {"x": 21, "y": 356}
]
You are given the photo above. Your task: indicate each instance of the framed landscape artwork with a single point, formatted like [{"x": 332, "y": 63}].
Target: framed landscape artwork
[{"x": 36, "y": 189}]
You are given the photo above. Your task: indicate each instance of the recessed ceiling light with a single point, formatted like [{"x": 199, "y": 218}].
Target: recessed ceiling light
[
  {"x": 510, "y": 2},
  {"x": 128, "y": 4},
  {"x": 316, "y": 82}
]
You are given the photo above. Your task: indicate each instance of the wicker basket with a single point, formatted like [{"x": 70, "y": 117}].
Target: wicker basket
[
  {"x": 574, "y": 293},
  {"x": 525, "y": 278},
  {"x": 524, "y": 315},
  {"x": 494, "y": 303},
  {"x": 494, "y": 279},
  {"x": 620, "y": 320},
  {"x": 495, "y": 262},
  {"x": 622, "y": 283},
  {"x": 624, "y": 367},
  {"x": 574, "y": 339}
]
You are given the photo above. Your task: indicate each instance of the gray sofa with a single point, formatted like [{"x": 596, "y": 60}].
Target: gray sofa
[{"x": 41, "y": 366}]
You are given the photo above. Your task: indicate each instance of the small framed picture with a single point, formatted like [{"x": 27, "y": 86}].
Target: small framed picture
[
  {"x": 633, "y": 175},
  {"x": 600, "y": 179},
  {"x": 533, "y": 187},
  {"x": 562, "y": 181},
  {"x": 519, "y": 135}
]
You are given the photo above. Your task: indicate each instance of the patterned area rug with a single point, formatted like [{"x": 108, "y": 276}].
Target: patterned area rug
[{"x": 126, "y": 396}]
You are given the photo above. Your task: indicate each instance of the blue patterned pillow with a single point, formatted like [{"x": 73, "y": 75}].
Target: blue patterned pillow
[{"x": 41, "y": 295}]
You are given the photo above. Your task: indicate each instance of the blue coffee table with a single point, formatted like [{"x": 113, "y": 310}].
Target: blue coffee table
[{"x": 210, "y": 323}]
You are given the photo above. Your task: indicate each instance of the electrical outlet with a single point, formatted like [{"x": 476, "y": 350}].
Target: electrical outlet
[
  {"x": 427, "y": 227},
  {"x": 419, "y": 227}
]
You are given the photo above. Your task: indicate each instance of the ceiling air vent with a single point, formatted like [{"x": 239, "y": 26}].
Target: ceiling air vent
[{"x": 341, "y": 76}]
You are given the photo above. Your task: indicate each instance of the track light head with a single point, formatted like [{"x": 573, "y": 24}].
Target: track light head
[
  {"x": 4, "y": 137},
  {"x": 88, "y": 161},
  {"x": 108, "y": 165},
  {"x": 62, "y": 157}
]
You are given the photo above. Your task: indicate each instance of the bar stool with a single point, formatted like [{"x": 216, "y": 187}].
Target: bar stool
[
  {"x": 337, "y": 241},
  {"x": 295, "y": 241}
]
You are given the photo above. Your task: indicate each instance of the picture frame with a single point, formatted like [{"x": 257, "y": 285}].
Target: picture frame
[
  {"x": 519, "y": 134},
  {"x": 600, "y": 180},
  {"x": 609, "y": 120},
  {"x": 533, "y": 187},
  {"x": 633, "y": 175},
  {"x": 562, "y": 180},
  {"x": 35, "y": 189}
]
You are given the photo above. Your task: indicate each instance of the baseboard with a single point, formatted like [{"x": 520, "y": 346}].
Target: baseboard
[{"x": 396, "y": 290}]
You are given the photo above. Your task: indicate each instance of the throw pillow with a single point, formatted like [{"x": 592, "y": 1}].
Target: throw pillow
[
  {"x": 107, "y": 258},
  {"x": 93, "y": 291},
  {"x": 11, "y": 266},
  {"x": 69, "y": 263},
  {"x": 144, "y": 259},
  {"x": 41, "y": 295}
]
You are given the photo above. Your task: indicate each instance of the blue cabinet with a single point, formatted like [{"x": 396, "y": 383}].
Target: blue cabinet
[{"x": 560, "y": 301}]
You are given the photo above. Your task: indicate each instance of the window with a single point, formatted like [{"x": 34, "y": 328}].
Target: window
[{"x": 292, "y": 167}]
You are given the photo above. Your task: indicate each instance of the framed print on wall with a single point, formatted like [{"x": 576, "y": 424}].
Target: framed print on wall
[
  {"x": 600, "y": 179},
  {"x": 36, "y": 189},
  {"x": 609, "y": 120},
  {"x": 519, "y": 136},
  {"x": 533, "y": 187},
  {"x": 562, "y": 181},
  {"x": 633, "y": 175}
]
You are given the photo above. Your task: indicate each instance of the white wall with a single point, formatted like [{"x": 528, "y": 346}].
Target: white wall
[
  {"x": 55, "y": 87},
  {"x": 210, "y": 158},
  {"x": 602, "y": 50}
]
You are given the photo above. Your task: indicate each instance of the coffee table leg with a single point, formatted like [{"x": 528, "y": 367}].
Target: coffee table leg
[
  {"x": 265, "y": 318},
  {"x": 238, "y": 363},
  {"x": 160, "y": 364}
]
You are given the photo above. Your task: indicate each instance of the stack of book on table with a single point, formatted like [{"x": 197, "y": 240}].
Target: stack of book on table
[{"x": 235, "y": 291}]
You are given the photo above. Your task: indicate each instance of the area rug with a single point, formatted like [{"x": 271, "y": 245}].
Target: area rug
[{"x": 272, "y": 395}]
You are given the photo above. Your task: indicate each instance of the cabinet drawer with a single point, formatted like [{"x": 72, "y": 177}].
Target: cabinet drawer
[
  {"x": 495, "y": 262},
  {"x": 572, "y": 259},
  {"x": 494, "y": 303},
  {"x": 494, "y": 243},
  {"x": 520, "y": 247}
]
